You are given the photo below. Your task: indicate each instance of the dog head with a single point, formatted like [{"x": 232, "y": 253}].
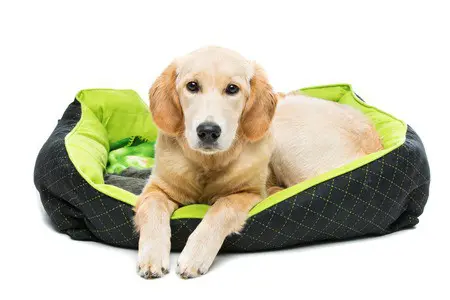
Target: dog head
[{"x": 211, "y": 96}]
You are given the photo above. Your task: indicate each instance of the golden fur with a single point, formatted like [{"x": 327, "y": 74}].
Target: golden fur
[
  {"x": 313, "y": 136},
  {"x": 237, "y": 176},
  {"x": 232, "y": 181},
  {"x": 167, "y": 103}
]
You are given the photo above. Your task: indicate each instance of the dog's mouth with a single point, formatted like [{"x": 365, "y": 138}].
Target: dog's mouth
[{"x": 208, "y": 148}]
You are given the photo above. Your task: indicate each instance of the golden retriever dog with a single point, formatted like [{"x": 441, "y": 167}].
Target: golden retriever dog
[{"x": 217, "y": 145}]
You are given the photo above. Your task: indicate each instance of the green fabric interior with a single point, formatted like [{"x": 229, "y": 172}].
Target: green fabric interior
[
  {"x": 133, "y": 152},
  {"x": 109, "y": 116}
]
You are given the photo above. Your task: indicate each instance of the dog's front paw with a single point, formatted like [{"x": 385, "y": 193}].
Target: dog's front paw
[
  {"x": 197, "y": 256},
  {"x": 153, "y": 259}
]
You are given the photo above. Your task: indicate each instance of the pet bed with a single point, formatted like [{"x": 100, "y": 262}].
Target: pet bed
[{"x": 378, "y": 194}]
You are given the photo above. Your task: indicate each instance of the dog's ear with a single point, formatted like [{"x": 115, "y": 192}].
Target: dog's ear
[
  {"x": 259, "y": 108},
  {"x": 165, "y": 104}
]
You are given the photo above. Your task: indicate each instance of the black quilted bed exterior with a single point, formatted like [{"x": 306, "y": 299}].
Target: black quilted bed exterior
[{"x": 381, "y": 197}]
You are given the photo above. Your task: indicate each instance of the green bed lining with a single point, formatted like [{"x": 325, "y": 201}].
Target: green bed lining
[{"x": 111, "y": 115}]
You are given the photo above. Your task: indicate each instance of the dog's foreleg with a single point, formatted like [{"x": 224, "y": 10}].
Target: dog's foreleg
[
  {"x": 227, "y": 215},
  {"x": 153, "y": 211}
]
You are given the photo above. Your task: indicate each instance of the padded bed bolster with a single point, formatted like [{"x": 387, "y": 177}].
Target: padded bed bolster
[
  {"x": 73, "y": 205},
  {"x": 383, "y": 194}
]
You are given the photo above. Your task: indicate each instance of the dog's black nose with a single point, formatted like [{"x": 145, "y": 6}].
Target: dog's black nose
[{"x": 208, "y": 132}]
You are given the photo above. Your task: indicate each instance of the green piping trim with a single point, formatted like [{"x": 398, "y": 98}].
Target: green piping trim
[
  {"x": 199, "y": 210},
  {"x": 194, "y": 211},
  {"x": 391, "y": 129},
  {"x": 293, "y": 190}
]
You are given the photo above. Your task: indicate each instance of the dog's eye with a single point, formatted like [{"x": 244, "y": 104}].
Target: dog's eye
[
  {"x": 232, "y": 89},
  {"x": 193, "y": 86}
]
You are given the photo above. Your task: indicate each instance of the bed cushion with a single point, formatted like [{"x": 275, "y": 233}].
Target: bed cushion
[{"x": 378, "y": 194}]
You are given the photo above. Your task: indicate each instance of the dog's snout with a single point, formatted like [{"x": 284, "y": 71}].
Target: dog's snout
[{"x": 208, "y": 132}]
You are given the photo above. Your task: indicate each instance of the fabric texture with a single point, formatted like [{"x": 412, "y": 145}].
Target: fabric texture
[
  {"x": 377, "y": 197},
  {"x": 130, "y": 179},
  {"x": 133, "y": 152}
]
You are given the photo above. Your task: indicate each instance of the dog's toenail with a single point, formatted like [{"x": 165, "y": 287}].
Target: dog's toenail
[{"x": 144, "y": 275}]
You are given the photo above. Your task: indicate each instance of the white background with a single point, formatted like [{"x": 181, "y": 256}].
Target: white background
[{"x": 395, "y": 53}]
